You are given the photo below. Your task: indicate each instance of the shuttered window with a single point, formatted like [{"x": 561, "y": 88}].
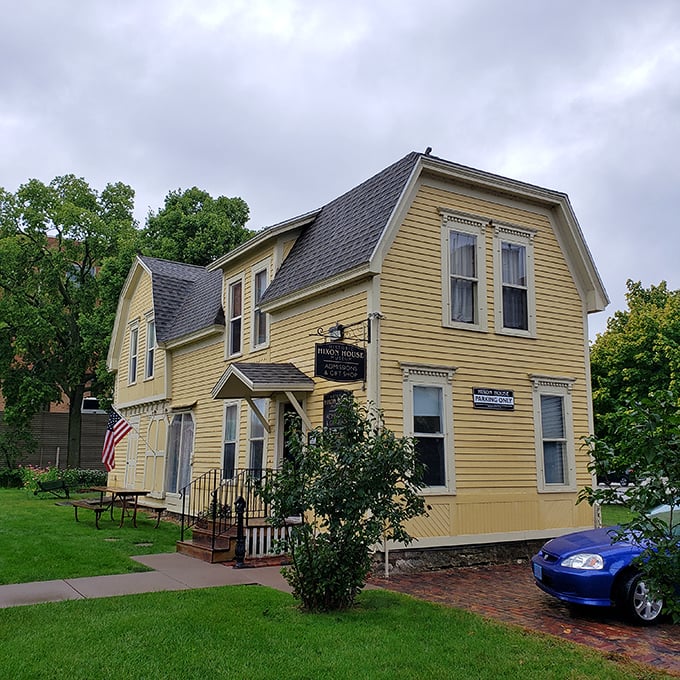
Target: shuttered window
[{"x": 553, "y": 423}]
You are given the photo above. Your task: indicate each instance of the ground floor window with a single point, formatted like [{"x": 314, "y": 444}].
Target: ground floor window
[
  {"x": 428, "y": 417},
  {"x": 256, "y": 437},
  {"x": 555, "y": 458},
  {"x": 230, "y": 446},
  {"x": 180, "y": 451}
]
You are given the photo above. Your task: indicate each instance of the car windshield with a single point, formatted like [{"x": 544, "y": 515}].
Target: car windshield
[{"x": 669, "y": 514}]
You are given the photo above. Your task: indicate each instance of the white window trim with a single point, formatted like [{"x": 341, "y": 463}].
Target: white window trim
[
  {"x": 423, "y": 375},
  {"x": 231, "y": 403},
  {"x": 452, "y": 221},
  {"x": 132, "y": 375},
  {"x": 227, "y": 307},
  {"x": 265, "y": 265},
  {"x": 504, "y": 233},
  {"x": 562, "y": 387},
  {"x": 150, "y": 352}
]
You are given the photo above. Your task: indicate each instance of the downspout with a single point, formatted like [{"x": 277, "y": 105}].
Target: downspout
[{"x": 374, "y": 385}]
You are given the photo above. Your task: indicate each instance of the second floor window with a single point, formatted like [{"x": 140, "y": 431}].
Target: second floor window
[
  {"x": 260, "y": 335},
  {"x": 515, "y": 289},
  {"x": 463, "y": 272},
  {"x": 514, "y": 281},
  {"x": 150, "y": 348},
  {"x": 235, "y": 318}
]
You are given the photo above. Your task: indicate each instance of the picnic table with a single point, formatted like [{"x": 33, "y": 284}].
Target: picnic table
[{"x": 125, "y": 496}]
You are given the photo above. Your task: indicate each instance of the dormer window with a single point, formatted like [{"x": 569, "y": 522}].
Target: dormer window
[
  {"x": 235, "y": 305},
  {"x": 260, "y": 318}
]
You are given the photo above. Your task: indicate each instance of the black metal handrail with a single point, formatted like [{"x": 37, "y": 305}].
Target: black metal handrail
[{"x": 209, "y": 500}]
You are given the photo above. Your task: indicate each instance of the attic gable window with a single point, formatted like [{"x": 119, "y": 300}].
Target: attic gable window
[
  {"x": 150, "y": 348},
  {"x": 134, "y": 348},
  {"x": 463, "y": 272},
  {"x": 235, "y": 325},
  {"x": 514, "y": 281}
]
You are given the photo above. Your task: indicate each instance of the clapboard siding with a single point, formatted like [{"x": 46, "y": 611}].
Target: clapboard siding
[{"x": 493, "y": 451}]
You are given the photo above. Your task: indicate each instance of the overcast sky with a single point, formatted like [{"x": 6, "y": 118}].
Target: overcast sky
[{"x": 289, "y": 103}]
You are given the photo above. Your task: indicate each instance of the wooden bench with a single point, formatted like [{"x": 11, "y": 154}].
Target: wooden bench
[
  {"x": 96, "y": 506},
  {"x": 158, "y": 506},
  {"x": 57, "y": 487}
]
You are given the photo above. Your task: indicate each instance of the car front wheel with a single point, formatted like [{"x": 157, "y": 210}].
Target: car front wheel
[{"x": 638, "y": 603}]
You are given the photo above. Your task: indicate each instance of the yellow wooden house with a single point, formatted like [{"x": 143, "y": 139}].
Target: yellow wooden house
[{"x": 454, "y": 300}]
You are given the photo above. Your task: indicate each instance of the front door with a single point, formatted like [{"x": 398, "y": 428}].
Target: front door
[
  {"x": 178, "y": 462},
  {"x": 290, "y": 424}
]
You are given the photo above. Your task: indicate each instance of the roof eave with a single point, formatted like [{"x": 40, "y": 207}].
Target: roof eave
[
  {"x": 362, "y": 271},
  {"x": 262, "y": 237},
  {"x": 190, "y": 338}
]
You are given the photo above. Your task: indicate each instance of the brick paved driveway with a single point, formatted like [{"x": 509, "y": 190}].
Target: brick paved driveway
[{"x": 507, "y": 593}]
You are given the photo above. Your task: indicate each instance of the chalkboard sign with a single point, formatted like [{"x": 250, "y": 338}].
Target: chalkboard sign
[{"x": 330, "y": 405}]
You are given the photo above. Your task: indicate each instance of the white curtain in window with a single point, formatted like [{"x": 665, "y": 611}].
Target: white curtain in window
[
  {"x": 463, "y": 272},
  {"x": 514, "y": 264}
]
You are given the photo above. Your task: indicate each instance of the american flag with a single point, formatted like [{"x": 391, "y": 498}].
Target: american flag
[{"x": 116, "y": 429}]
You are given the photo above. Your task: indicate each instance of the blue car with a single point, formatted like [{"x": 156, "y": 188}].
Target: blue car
[{"x": 592, "y": 568}]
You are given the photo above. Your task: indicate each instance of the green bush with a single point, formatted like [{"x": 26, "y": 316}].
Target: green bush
[
  {"x": 351, "y": 485},
  {"x": 73, "y": 477},
  {"x": 32, "y": 474},
  {"x": 10, "y": 478}
]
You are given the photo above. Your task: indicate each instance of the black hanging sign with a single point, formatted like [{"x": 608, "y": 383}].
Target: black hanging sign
[
  {"x": 339, "y": 362},
  {"x": 495, "y": 400}
]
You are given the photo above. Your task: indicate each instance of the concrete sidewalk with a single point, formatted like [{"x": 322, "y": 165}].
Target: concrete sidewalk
[{"x": 172, "y": 571}]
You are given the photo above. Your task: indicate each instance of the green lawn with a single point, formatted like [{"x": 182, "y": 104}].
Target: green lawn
[
  {"x": 40, "y": 540},
  {"x": 253, "y": 632},
  {"x": 614, "y": 514},
  {"x": 239, "y": 632}
]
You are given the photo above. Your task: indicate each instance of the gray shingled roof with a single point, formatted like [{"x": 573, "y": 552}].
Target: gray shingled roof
[
  {"x": 187, "y": 298},
  {"x": 244, "y": 379},
  {"x": 345, "y": 233}
]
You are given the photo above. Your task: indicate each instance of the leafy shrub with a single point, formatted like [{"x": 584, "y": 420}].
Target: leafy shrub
[
  {"x": 10, "y": 478},
  {"x": 73, "y": 477},
  {"x": 32, "y": 474},
  {"x": 352, "y": 486}
]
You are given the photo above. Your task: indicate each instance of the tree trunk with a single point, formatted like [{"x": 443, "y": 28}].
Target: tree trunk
[{"x": 74, "y": 422}]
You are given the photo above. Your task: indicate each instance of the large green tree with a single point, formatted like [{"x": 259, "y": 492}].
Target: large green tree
[
  {"x": 638, "y": 353},
  {"x": 63, "y": 247},
  {"x": 195, "y": 228},
  {"x": 636, "y": 396}
]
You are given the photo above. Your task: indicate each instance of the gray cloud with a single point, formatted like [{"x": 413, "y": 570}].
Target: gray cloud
[{"x": 287, "y": 104}]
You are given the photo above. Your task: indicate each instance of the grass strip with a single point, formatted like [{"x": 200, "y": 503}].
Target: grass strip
[{"x": 255, "y": 632}]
